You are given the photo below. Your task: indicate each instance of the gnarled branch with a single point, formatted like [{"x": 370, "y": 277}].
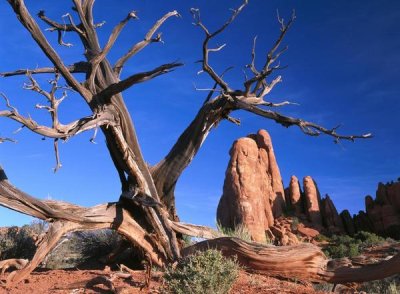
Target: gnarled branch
[
  {"x": 61, "y": 131},
  {"x": 309, "y": 128},
  {"x": 30, "y": 24},
  {"x": 137, "y": 78},
  {"x": 79, "y": 67},
  {"x": 97, "y": 59},
  {"x": 142, "y": 44},
  {"x": 205, "y": 62}
]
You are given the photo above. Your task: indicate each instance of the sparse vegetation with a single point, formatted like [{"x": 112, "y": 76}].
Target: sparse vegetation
[
  {"x": 76, "y": 248},
  {"x": 386, "y": 286},
  {"x": 347, "y": 246},
  {"x": 203, "y": 272},
  {"x": 322, "y": 238},
  {"x": 368, "y": 239},
  {"x": 323, "y": 287},
  {"x": 19, "y": 242},
  {"x": 80, "y": 247},
  {"x": 187, "y": 240},
  {"x": 240, "y": 231},
  {"x": 294, "y": 224}
]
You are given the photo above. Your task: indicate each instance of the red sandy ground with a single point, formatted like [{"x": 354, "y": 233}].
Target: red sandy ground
[{"x": 78, "y": 281}]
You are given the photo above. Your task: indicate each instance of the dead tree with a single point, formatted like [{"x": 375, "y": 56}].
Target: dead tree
[{"x": 145, "y": 211}]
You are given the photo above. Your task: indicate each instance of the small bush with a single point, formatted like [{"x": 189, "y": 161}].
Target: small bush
[
  {"x": 368, "y": 239},
  {"x": 201, "y": 273},
  {"x": 97, "y": 243},
  {"x": 322, "y": 238},
  {"x": 342, "y": 246}
]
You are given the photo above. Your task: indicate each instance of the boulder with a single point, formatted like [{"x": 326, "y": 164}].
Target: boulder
[{"x": 307, "y": 232}]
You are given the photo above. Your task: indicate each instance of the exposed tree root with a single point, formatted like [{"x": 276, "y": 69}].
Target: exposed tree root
[{"x": 12, "y": 263}]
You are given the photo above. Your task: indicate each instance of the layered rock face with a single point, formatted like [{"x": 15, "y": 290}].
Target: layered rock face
[{"x": 254, "y": 196}]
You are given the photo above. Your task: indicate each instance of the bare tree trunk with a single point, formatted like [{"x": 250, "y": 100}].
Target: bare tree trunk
[{"x": 167, "y": 172}]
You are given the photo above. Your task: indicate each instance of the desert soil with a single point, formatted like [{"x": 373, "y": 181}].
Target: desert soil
[{"x": 84, "y": 281}]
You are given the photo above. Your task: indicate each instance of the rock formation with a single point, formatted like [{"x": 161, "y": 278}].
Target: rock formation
[
  {"x": 253, "y": 189},
  {"x": 382, "y": 215},
  {"x": 248, "y": 190},
  {"x": 348, "y": 222},
  {"x": 331, "y": 219},
  {"x": 277, "y": 197},
  {"x": 313, "y": 200},
  {"x": 254, "y": 196},
  {"x": 294, "y": 196}
]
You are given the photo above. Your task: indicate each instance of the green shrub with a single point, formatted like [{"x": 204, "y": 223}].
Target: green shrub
[
  {"x": 346, "y": 246},
  {"x": 201, "y": 273},
  {"x": 322, "y": 238},
  {"x": 342, "y": 246},
  {"x": 368, "y": 239}
]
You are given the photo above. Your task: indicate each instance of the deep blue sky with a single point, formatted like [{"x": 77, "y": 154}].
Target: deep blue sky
[{"x": 343, "y": 67}]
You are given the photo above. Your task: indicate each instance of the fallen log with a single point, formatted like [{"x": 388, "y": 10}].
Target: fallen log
[{"x": 304, "y": 261}]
